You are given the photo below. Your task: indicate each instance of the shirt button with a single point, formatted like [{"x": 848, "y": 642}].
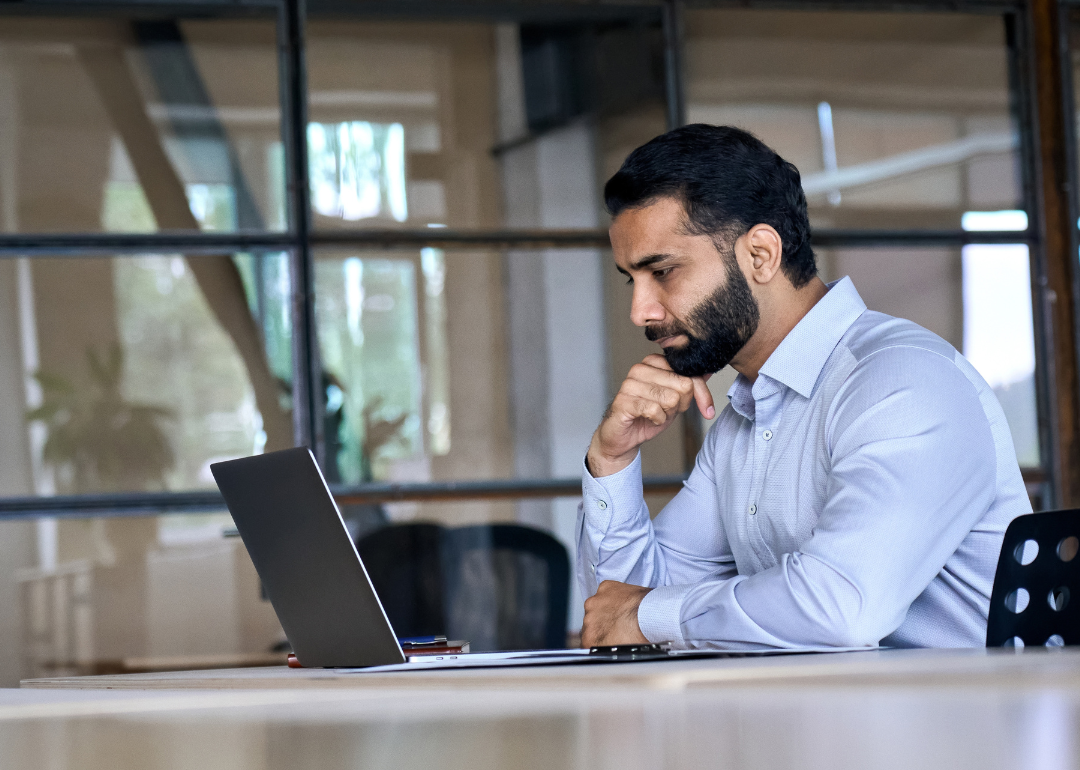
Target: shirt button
[
  {"x": 601, "y": 505},
  {"x": 593, "y": 566},
  {"x": 767, "y": 435},
  {"x": 753, "y": 509}
]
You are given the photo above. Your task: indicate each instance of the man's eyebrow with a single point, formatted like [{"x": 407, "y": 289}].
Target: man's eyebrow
[{"x": 648, "y": 261}]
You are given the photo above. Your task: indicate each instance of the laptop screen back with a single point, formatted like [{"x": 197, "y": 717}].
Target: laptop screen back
[{"x": 308, "y": 564}]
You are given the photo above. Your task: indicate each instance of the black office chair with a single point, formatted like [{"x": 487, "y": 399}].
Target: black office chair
[
  {"x": 404, "y": 563},
  {"x": 1037, "y": 573},
  {"x": 507, "y": 587},
  {"x": 501, "y": 586}
]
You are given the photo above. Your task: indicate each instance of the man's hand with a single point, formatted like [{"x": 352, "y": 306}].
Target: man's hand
[
  {"x": 650, "y": 399},
  {"x": 611, "y": 615}
]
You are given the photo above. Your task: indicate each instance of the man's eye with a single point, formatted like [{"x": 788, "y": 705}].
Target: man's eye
[
  {"x": 662, "y": 272},
  {"x": 629, "y": 281}
]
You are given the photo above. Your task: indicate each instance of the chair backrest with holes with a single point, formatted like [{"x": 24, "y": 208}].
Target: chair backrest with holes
[{"x": 1037, "y": 573}]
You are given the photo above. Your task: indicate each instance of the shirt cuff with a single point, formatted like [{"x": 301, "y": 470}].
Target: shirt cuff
[
  {"x": 620, "y": 492},
  {"x": 659, "y": 615}
]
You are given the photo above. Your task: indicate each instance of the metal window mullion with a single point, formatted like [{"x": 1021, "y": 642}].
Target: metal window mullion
[
  {"x": 78, "y": 245},
  {"x": 672, "y": 23},
  {"x": 872, "y": 6},
  {"x": 693, "y": 426},
  {"x": 1022, "y": 94},
  {"x": 1071, "y": 152},
  {"x": 307, "y": 402},
  {"x": 108, "y": 244}
]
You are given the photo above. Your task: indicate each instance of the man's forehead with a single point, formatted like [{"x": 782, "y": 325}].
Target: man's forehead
[{"x": 644, "y": 236}]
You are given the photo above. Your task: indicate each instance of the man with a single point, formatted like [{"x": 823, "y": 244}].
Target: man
[{"x": 856, "y": 489}]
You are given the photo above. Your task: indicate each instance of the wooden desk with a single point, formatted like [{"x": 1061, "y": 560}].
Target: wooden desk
[{"x": 902, "y": 709}]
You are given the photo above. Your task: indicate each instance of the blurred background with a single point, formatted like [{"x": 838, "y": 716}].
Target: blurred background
[{"x": 376, "y": 229}]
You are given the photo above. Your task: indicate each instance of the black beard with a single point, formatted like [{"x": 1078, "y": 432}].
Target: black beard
[{"x": 725, "y": 321}]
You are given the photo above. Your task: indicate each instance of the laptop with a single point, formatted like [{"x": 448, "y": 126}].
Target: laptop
[
  {"x": 320, "y": 590},
  {"x": 313, "y": 575}
]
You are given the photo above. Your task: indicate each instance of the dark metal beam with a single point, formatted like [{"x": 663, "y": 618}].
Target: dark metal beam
[
  {"x": 534, "y": 11},
  {"x": 485, "y": 10},
  {"x": 1021, "y": 107},
  {"x": 887, "y": 6},
  {"x": 827, "y": 238},
  {"x": 449, "y": 239},
  {"x": 109, "y": 244},
  {"x": 142, "y": 9},
  {"x": 158, "y": 503},
  {"x": 165, "y": 503},
  {"x": 674, "y": 77},
  {"x": 307, "y": 372},
  {"x": 194, "y": 243},
  {"x": 1055, "y": 262}
]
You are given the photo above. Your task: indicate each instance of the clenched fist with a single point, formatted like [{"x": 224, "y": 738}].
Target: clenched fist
[
  {"x": 650, "y": 399},
  {"x": 611, "y": 615}
]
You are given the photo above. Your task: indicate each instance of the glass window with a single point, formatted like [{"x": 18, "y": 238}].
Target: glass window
[
  {"x": 116, "y": 591},
  {"x": 139, "y": 126},
  {"x": 468, "y": 364},
  {"x": 382, "y": 332},
  {"x": 475, "y": 125},
  {"x": 895, "y": 120},
  {"x": 133, "y": 374}
]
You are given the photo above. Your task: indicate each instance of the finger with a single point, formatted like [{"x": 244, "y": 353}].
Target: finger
[
  {"x": 643, "y": 372},
  {"x": 650, "y": 410},
  {"x": 703, "y": 397},
  {"x": 671, "y": 401},
  {"x": 630, "y": 407},
  {"x": 657, "y": 361}
]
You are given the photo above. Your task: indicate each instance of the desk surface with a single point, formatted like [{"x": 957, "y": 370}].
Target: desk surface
[{"x": 902, "y": 709}]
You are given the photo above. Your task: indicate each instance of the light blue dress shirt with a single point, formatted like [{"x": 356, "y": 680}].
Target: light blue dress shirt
[{"x": 856, "y": 493}]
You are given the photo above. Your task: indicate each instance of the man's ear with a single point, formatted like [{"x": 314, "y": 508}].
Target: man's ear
[{"x": 766, "y": 251}]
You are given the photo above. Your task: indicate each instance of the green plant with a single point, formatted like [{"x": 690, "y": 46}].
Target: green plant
[{"x": 97, "y": 441}]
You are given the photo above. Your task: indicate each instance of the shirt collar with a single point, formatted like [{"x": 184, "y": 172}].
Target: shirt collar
[{"x": 800, "y": 357}]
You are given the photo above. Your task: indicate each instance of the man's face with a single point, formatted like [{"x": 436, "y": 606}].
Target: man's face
[{"x": 693, "y": 301}]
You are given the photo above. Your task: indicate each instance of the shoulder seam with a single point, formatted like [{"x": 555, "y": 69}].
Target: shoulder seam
[{"x": 950, "y": 359}]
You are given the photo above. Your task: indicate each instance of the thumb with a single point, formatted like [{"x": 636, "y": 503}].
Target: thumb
[{"x": 703, "y": 398}]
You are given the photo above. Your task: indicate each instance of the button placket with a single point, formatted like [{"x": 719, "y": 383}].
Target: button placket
[{"x": 767, "y": 410}]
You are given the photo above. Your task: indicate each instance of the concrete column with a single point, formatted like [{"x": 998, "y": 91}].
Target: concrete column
[{"x": 555, "y": 303}]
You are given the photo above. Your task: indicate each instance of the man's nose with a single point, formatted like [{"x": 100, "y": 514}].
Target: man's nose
[{"x": 644, "y": 308}]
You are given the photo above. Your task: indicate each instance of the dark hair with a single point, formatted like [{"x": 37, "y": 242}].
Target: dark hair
[{"x": 728, "y": 180}]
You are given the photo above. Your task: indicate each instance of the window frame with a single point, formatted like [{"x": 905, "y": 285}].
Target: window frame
[{"x": 300, "y": 239}]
